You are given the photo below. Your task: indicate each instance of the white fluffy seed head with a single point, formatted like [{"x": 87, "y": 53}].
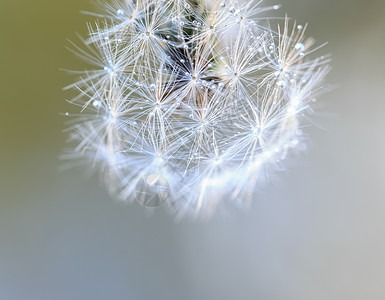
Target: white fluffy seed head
[{"x": 190, "y": 102}]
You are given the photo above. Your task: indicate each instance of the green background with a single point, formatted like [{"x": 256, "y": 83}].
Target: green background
[{"x": 316, "y": 232}]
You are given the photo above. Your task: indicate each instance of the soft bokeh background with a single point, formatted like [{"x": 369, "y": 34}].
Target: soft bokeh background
[{"x": 317, "y": 233}]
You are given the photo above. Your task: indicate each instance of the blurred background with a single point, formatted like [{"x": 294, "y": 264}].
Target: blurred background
[{"x": 317, "y": 232}]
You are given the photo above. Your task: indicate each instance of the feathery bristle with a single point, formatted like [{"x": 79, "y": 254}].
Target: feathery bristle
[{"x": 189, "y": 103}]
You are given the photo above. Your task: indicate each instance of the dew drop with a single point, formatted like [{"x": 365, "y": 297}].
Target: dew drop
[
  {"x": 96, "y": 103},
  {"x": 152, "y": 190},
  {"x": 299, "y": 46}
]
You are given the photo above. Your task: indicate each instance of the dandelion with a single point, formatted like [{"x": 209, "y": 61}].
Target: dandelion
[{"x": 190, "y": 103}]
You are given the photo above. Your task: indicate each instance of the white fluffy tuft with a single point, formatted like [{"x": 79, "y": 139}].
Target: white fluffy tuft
[{"x": 198, "y": 97}]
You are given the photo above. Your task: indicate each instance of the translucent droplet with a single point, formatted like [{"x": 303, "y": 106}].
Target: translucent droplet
[
  {"x": 182, "y": 61},
  {"x": 276, "y": 7},
  {"x": 67, "y": 113},
  {"x": 232, "y": 10},
  {"x": 281, "y": 84},
  {"x": 152, "y": 190},
  {"x": 299, "y": 27},
  {"x": 96, "y": 103},
  {"x": 222, "y": 4},
  {"x": 120, "y": 12},
  {"x": 299, "y": 46}
]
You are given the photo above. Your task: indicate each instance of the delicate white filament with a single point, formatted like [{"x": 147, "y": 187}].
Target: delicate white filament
[{"x": 192, "y": 100}]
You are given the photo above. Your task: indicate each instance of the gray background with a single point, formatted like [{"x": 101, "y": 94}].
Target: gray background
[{"x": 316, "y": 232}]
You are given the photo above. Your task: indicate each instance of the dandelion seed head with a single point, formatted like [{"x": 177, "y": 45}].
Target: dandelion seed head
[{"x": 189, "y": 104}]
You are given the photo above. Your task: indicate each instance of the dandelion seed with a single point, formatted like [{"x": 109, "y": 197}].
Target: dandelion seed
[{"x": 190, "y": 103}]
